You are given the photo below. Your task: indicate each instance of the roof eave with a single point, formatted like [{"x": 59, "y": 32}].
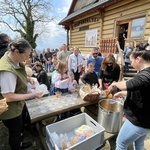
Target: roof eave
[{"x": 82, "y": 11}]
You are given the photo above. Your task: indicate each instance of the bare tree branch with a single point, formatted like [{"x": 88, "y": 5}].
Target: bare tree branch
[{"x": 25, "y": 15}]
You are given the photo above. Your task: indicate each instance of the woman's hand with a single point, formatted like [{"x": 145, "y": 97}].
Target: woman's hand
[
  {"x": 112, "y": 87},
  {"x": 31, "y": 80},
  {"x": 68, "y": 80},
  {"x": 100, "y": 87},
  {"x": 38, "y": 95},
  {"x": 120, "y": 94}
]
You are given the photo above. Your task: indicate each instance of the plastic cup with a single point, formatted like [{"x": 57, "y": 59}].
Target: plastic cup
[{"x": 58, "y": 94}]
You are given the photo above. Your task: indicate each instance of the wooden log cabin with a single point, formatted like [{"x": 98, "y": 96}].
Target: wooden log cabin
[{"x": 102, "y": 23}]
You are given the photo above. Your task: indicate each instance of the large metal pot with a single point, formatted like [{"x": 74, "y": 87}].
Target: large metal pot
[{"x": 110, "y": 115}]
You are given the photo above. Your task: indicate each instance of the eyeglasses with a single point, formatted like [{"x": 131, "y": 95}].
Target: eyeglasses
[
  {"x": 95, "y": 53},
  {"x": 109, "y": 63}
]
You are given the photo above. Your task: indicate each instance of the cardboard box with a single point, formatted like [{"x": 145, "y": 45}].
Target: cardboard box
[{"x": 69, "y": 125}]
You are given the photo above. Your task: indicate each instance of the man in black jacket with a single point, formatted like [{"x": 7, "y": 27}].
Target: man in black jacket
[
  {"x": 4, "y": 41},
  {"x": 42, "y": 75}
]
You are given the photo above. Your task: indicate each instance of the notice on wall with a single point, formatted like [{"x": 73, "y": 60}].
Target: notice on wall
[
  {"x": 91, "y": 38},
  {"x": 137, "y": 29}
]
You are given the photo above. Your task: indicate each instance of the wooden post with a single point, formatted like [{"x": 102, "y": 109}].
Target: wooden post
[{"x": 120, "y": 60}]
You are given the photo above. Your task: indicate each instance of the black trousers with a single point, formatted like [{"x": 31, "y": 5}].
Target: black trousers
[
  {"x": 77, "y": 76},
  {"x": 16, "y": 127}
]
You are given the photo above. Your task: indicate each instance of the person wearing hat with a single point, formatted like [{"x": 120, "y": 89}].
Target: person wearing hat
[{"x": 42, "y": 75}]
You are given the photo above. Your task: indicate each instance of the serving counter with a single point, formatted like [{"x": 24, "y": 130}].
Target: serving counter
[{"x": 46, "y": 107}]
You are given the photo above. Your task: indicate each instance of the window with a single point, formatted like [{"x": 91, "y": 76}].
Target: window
[{"x": 137, "y": 27}]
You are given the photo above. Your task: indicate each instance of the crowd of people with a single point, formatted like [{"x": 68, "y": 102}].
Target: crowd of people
[
  {"x": 20, "y": 66},
  {"x": 60, "y": 64}
]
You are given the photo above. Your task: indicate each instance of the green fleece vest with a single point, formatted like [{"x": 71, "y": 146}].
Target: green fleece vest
[{"x": 14, "y": 108}]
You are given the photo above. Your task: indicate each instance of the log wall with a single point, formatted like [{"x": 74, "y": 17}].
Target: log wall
[{"x": 106, "y": 26}]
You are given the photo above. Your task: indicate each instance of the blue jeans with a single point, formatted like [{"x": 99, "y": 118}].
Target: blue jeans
[
  {"x": 52, "y": 90},
  {"x": 129, "y": 134}
]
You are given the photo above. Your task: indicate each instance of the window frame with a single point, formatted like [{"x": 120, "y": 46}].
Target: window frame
[{"x": 129, "y": 19}]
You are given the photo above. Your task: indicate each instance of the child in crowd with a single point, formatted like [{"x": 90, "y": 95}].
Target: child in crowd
[
  {"x": 29, "y": 74},
  {"x": 73, "y": 81},
  {"x": 32, "y": 88},
  {"x": 84, "y": 66},
  {"x": 54, "y": 57},
  {"x": 62, "y": 82},
  {"x": 61, "y": 79},
  {"x": 90, "y": 77},
  {"x": 54, "y": 61},
  {"x": 49, "y": 64},
  {"x": 42, "y": 75}
]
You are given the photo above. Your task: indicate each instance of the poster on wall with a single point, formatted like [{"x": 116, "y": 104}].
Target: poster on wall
[
  {"x": 137, "y": 29},
  {"x": 91, "y": 38}
]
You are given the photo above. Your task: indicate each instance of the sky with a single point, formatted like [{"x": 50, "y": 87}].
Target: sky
[{"x": 54, "y": 35}]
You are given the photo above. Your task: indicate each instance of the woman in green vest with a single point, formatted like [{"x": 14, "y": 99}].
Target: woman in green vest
[{"x": 13, "y": 87}]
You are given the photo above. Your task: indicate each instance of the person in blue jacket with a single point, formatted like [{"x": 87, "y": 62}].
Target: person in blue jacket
[{"x": 97, "y": 60}]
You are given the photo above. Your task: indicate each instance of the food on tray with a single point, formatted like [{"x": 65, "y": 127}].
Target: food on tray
[
  {"x": 88, "y": 93},
  {"x": 95, "y": 90},
  {"x": 3, "y": 105},
  {"x": 109, "y": 95},
  {"x": 74, "y": 140},
  {"x": 65, "y": 140},
  {"x": 81, "y": 133},
  {"x": 106, "y": 93},
  {"x": 84, "y": 130},
  {"x": 86, "y": 89}
]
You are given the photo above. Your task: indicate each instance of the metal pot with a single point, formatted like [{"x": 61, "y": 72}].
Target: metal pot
[{"x": 110, "y": 115}]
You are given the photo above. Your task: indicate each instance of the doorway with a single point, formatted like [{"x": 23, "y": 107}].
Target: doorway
[{"x": 123, "y": 34}]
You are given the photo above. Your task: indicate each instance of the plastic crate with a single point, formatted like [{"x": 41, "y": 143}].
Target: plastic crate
[{"x": 72, "y": 123}]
